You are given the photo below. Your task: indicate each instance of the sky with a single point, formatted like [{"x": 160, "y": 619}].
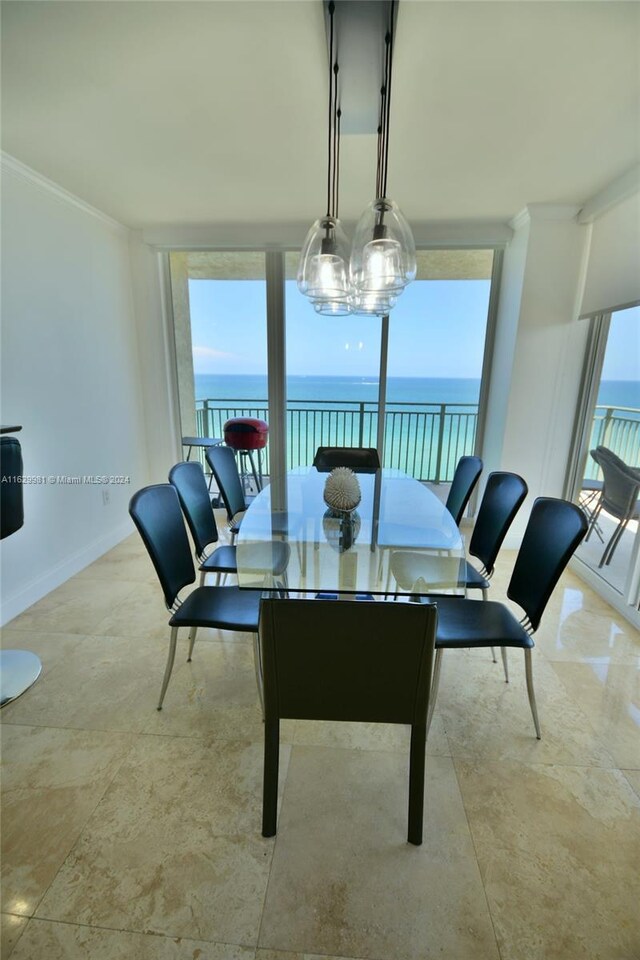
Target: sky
[
  {"x": 426, "y": 329},
  {"x": 436, "y": 330},
  {"x": 622, "y": 355}
]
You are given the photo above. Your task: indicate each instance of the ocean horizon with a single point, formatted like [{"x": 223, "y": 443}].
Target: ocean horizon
[{"x": 612, "y": 393}]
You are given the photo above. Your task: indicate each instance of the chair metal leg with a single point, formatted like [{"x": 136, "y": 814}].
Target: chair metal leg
[
  {"x": 613, "y": 543},
  {"x": 203, "y": 577},
  {"x": 270, "y": 782},
  {"x": 435, "y": 681},
  {"x": 257, "y": 660},
  {"x": 416, "y": 783},
  {"x": 530, "y": 691},
  {"x": 505, "y": 665},
  {"x": 169, "y": 667},
  {"x": 192, "y": 640},
  {"x": 594, "y": 519}
]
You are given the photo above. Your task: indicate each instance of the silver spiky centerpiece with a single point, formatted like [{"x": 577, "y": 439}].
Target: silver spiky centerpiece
[{"x": 342, "y": 490}]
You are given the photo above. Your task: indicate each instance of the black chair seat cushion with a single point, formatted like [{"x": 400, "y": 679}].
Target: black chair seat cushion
[
  {"x": 475, "y": 580},
  {"x": 222, "y": 560},
  {"x": 228, "y": 608},
  {"x": 272, "y": 556},
  {"x": 478, "y": 623}
]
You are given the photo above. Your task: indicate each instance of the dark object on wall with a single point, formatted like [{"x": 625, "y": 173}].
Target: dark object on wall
[{"x": 11, "y": 507}]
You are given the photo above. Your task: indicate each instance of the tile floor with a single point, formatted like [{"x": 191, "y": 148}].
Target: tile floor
[{"x": 129, "y": 833}]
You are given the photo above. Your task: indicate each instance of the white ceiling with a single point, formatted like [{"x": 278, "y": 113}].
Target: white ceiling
[{"x": 215, "y": 112}]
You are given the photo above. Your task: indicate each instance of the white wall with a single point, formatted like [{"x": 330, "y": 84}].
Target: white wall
[
  {"x": 613, "y": 269},
  {"x": 70, "y": 376},
  {"x": 536, "y": 373},
  {"x": 157, "y": 352}
]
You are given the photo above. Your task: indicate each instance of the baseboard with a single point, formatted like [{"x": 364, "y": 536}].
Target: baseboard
[{"x": 40, "y": 586}]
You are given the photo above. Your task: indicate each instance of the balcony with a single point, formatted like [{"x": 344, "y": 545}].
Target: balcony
[{"x": 424, "y": 440}]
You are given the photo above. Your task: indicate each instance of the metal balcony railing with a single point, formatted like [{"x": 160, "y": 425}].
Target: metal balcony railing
[
  {"x": 424, "y": 440},
  {"x": 617, "y": 428}
]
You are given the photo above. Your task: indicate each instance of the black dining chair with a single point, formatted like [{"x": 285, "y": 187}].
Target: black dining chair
[
  {"x": 358, "y": 459},
  {"x": 554, "y": 530},
  {"x": 349, "y": 661},
  {"x": 503, "y": 496},
  {"x": 269, "y": 560},
  {"x": 155, "y": 510},
  {"x": 224, "y": 468},
  {"x": 619, "y": 497},
  {"x": 465, "y": 477}
]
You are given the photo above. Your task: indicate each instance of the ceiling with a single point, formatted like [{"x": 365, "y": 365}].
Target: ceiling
[{"x": 215, "y": 112}]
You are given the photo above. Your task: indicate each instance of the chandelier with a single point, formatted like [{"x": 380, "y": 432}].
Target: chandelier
[{"x": 383, "y": 257}]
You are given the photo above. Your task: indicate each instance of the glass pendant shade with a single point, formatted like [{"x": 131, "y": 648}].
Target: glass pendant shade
[
  {"x": 373, "y": 305},
  {"x": 323, "y": 271},
  {"x": 332, "y": 308},
  {"x": 383, "y": 255}
]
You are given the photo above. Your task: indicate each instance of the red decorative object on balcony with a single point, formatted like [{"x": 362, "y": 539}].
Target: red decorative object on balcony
[{"x": 246, "y": 434}]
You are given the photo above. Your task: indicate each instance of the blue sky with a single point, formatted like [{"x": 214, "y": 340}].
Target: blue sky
[
  {"x": 436, "y": 330},
  {"x": 430, "y": 323},
  {"x": 622, "y": 356}
]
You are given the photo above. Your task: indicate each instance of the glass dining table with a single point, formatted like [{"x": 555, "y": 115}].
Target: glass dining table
[{"x": 400, "y": 536}]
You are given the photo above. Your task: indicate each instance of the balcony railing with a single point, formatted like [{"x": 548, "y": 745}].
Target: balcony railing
[
  {"x": 424, "y": 440},
  {"x": 617, "y": 428}
]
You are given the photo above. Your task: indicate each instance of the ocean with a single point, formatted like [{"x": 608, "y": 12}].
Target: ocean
[
  {"x": 327, "y": 410},
  {"x": 613, "y": 393}
]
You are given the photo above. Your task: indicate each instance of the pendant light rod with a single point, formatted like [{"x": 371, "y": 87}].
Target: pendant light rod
[
  {"x": 388, "y": 71},
  {"x": 337, "y": 191},
  {"x": 330, "y": 125}
]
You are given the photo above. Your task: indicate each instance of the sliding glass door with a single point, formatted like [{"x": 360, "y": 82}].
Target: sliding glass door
[
  {"x": 333, "y": 377},
  {"x": 611, "y": 420},
  {"x": 437, "y": 337},
  {"x": 220, "y": 321},
  {"x": 248, "y": 344}
]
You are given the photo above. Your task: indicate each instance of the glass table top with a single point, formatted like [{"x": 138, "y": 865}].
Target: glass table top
[{"x": 399, "y": 538}]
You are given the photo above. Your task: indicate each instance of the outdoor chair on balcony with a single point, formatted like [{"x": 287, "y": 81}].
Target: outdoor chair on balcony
[
  {"x": 348, "y": 661},
  {"x": 554, "y": 530},
  {"x": 619, "y": 497},
  {"x": 466, "y": 476},
  {"x": 358, "y": 459},
  {"x": 271, "y": 559},
  {"x": 155, "y": 510}
]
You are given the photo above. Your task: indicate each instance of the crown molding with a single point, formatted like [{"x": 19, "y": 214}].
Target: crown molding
[
  {"x": 614, "y": 193},
  {"x": 558, "y": 212},
  {"x": 520, "y": 220},
  {"x": 9, "y": 164},
  {"x": 290, "y": 236}
]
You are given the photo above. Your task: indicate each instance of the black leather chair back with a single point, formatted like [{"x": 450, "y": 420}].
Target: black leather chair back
[
  {"x": 464, "y": 480},
  {"x": 359, "y": 459},
  {"x": 502, "y": 498},
  {"x": 156, "y": 513},
  {"x": 191, "y": 486},
  {"x": 11, "y": 502},
  {"x": 554, "y": 530},
  {"x": 353, "y": 660},
  {"x": 225, "y": 470}
]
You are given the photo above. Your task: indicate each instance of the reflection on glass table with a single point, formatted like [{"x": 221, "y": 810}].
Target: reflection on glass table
[{"x": 351, "y": 553}]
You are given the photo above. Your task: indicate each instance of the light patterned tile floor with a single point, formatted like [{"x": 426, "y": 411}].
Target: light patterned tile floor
[{"x": 132, "y": 833}]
